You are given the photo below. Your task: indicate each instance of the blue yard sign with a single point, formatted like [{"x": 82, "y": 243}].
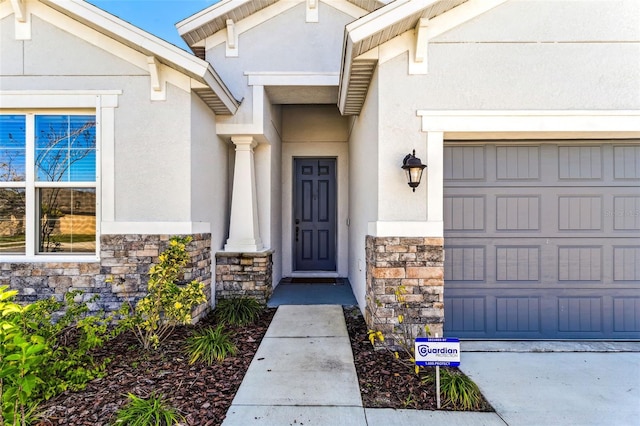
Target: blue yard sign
[{"x": 437, "y": 351}]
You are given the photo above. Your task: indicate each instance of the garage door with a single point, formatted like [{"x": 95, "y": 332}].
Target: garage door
[{"x": 542, "y": 240}]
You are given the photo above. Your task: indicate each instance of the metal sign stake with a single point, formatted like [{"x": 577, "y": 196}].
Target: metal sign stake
[{"x": 437, "y": 384}]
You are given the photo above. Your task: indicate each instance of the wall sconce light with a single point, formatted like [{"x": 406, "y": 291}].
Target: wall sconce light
[{"x": 413, "y": 167}]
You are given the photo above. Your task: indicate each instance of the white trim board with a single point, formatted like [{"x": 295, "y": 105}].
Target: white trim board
[
  {"x": 155, "y": 228},
  {"x": 525, "y": 124}
]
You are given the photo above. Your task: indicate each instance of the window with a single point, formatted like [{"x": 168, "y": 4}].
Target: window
[{"x": 47, "y": 184}]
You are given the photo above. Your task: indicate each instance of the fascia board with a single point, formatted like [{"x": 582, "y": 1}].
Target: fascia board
[
  {"x": 250, "y": 22},
  {"x": 345, "y": 71},
  {"x": 199, "y": 19},
  {"x": 385, "y": 16}
]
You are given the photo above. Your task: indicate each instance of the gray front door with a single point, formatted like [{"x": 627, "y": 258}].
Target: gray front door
[{"x": 314, "y": 214}]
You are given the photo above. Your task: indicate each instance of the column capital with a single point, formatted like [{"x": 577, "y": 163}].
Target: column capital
[{"x": 244, "y": 141}]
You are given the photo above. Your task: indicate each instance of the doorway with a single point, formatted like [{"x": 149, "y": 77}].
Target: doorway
[{"x": 314, "y": 214}]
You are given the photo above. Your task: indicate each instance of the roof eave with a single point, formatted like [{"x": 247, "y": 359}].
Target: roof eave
[{"x": 149, "y": 45}]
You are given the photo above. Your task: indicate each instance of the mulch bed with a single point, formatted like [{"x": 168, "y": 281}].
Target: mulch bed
[
  {"x": 384, "y": 381},
  {"x": 203, "y": 394}
]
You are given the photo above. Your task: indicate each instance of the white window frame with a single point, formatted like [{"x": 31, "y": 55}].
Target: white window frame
[{"x": 102, "y": 104}]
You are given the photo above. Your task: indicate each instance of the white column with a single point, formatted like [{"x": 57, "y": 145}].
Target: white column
[
  {"x": 435, "y": 176},
  {"x": 244, "y": 232}
]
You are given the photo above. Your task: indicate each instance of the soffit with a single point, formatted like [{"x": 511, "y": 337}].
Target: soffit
[
  {"x": 371, "y": 31},
  {"x": 213, "y": 19},
  {"x": 214, "y": 92}
]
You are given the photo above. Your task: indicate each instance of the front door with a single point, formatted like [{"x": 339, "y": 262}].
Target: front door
[{"x": 314, "y": 214}]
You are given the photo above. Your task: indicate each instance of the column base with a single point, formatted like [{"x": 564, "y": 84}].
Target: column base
[
  {"x": 241, "y": 274},
  {"x": 244, "y": 246}
]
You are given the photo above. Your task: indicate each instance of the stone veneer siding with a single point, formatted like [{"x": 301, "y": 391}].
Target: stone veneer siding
[
  {"x": 126, "y": 258},
  {"x": 244, "y": 274},
  {"x": 418, "y": 265}
]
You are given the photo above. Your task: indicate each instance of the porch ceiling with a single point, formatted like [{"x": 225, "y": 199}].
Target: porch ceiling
[
  {"x": 371, "y": 31},
  {"x": 288, "y": 95}
]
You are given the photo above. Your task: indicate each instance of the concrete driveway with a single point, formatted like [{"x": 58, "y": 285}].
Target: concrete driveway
[{"x": 559, "y": 388}]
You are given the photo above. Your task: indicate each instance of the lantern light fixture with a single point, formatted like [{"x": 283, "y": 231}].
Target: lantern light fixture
[{"x": 413, "y": 168}]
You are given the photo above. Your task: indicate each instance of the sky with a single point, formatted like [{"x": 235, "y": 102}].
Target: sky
[{"x": 157, "y": 17}]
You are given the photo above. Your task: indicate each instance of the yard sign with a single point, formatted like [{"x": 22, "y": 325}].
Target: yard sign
[{"x": 437, "y": 351}]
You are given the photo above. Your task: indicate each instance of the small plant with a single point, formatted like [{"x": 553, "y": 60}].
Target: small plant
[
  {"x": 210, "y": 345},
  {"x": 404, "y": 332},
  {"x": 40, "y": 357},
  {"x": 238, "y": 310},
  {"x": 152, "y": 411},
  {"x": 458, "y": 390},
  {"x": 167, "y": 304}
]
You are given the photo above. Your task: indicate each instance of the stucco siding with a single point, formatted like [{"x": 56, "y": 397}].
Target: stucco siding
[
  {"x": 152, "y": 155},
  {"x": 363, "y": 189},
  {"x": 496, "y": 76},
  {"x": 582, "y": 21},
  {"x": 209, "y": 184},
  {"x": 11, "y": 53},
  {"x": 53, "y": 49},
  {"x": 535, "y": 55}
]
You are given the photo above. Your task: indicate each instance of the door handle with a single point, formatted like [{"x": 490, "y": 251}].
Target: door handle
[{"x": 297, "y": 231}]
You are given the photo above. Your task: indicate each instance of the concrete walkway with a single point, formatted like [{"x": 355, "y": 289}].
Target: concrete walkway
[{"x": 303, "y": 374}]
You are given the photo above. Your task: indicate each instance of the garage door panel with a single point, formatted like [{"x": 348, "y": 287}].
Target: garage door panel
[
  {"x": 579, "y": 314},
  {"x": 579, "y": 263},
  {"x": 626, "y": 263},
  {"x": 517, "y": 263},
  {"x": 465, "y": 212},
  {"x": 517, "y": 213},
  {"x": 517, "y": 162},
  {"x": 626, "y": 162},
  {"x": 464, "y": 163},
  {"x": 577, "y": 213},
  {"x": 518, "y": 314},
  {"x": 580, "y": 162},
  {"x": 465, "y": 263},
  {"x": 626, "y": 213},
  {"x": 466, "y": 314},
  {"x": 544, "y": 245},
  {"x": 626, "y": 314}
]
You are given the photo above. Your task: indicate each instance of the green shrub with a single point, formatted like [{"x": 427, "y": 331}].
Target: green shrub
[
  {"x": 167, "y": 304},
  {"x": 210, "y": 345},
  {"x": 152, "y": 411},
  {"x": 238, "y": 310},
  {"x": 41, "y": 357},
  {"x": 457, "y": 390}
]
